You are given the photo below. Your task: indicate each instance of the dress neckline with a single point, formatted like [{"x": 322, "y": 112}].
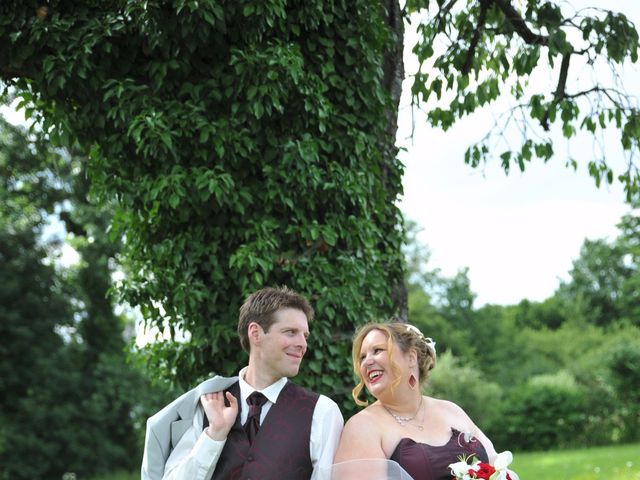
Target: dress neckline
[
  {"x": 454, "y": 433},
  {"x": 465, "y": 441}
]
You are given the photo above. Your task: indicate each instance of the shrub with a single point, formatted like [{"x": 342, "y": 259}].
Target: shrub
[
  {"x": 548, "y": 411},
  {"x": 465, "y": 385}
]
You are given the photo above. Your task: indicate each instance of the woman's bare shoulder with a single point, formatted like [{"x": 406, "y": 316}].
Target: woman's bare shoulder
[
  {"x": 361, "y": 437},
  {"x": 365, "y": 420},
  {"x": 451, "y": 413},
  {"x": 445, "y": 406}
]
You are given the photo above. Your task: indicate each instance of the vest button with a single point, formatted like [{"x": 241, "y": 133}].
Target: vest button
[{"x": 249, "y": 459}]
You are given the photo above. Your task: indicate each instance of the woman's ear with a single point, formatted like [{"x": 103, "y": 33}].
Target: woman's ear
[{"x": 413, "y": 358}]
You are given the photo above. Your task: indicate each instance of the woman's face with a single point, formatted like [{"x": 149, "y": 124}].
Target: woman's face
[{"x": 375, "y": 362}]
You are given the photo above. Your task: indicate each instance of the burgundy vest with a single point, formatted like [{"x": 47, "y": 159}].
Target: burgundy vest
[{"x": 281, "y": 448}]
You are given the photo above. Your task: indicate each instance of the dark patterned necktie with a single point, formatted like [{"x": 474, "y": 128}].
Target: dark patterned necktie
[{"x": 255, "y": 401}]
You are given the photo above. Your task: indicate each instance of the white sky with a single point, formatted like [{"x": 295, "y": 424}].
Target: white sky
[{"x": 518, "y": 234}]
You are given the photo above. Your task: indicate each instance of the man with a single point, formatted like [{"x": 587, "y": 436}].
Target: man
[{"x": 288, "y": 432}]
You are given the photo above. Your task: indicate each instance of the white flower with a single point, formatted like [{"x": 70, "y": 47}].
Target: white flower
[
  {"x": 459, "y": 468},
  {"x": 503, "y": 460},
  {"x": 501, "y": 463}
]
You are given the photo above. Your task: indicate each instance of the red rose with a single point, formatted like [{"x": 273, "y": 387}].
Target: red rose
[{"x": 485, "y": 471}]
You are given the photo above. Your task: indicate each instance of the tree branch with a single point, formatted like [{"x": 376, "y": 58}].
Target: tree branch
[
  {"x": 8, "y": 73},
  {"x": 560, "y": 89},
  {"x": 519, "y": 25},
  {"x": 484, "y": 6},
  {"x": 442, "y": 13},
  {"x": 619, "y": 103},
  {"x": 562, "y": 79}
]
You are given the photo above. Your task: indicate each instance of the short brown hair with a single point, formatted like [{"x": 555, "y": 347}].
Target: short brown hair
[
  {"x": 260, "y": 306},
  {"x": 403, "y": 335}
]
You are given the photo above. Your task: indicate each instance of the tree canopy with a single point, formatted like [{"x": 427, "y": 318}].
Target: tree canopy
[
  {"x": 473, "y": 53},
  {"x": 245, "y": 145}
]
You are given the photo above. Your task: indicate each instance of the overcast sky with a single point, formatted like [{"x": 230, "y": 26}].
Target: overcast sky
[{"x": 518, "y": 234}]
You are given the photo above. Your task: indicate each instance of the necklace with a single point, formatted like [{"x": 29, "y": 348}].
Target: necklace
[{"x": 403, "y": 421}]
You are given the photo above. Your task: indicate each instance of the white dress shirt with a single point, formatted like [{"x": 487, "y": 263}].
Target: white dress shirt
[{"x": 196, "y": 454}]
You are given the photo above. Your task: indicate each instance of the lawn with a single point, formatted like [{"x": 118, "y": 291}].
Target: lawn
[
  {"x": 620, "y": 462},
  {"x": 121, "y": 476}
]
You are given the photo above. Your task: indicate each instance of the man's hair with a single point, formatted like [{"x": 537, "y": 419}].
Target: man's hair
[{"x": 260, "y": 307}]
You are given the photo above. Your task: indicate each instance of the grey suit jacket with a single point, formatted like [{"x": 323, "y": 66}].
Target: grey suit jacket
[{"x": 165, "y": 428}]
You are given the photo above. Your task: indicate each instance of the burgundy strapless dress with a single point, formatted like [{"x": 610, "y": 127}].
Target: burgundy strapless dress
[{"x": 426, "y": 462}]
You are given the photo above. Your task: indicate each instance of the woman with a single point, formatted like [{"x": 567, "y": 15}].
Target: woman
[{"x": 424, "y": 435}]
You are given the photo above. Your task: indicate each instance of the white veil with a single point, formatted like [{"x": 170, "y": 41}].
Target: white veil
[{"x": 365, "y": 469}]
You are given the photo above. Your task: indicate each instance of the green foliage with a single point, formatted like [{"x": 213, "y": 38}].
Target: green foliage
[
  {"x": 65, "y": 380},
  {"x": 467, "y": 386},
  {"x": 597, "y": 277},
  {"x": 549, "y": 314},
  {"x": 475, "y": 53},
  {"x": 546, "y": 412},
  {"x": 624, "y": 366},
  {"x": 42, "y": 388},
  {"x": 605, "y": 276},
  {"x": 244, "y": 144}
]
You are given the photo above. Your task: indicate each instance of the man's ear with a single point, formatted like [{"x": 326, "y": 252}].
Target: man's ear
[{"x": 254, "y": 332}]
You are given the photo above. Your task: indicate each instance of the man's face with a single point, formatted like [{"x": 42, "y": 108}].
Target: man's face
[{"x": 279, "y": 351}]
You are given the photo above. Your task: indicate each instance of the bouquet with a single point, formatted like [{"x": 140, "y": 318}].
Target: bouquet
[{"x": 463, "y": 470}]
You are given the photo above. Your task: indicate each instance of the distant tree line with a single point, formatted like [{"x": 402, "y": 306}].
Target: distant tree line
[
  {"x": 538, "y": 375},
  {"x": 72, "y": 399}
]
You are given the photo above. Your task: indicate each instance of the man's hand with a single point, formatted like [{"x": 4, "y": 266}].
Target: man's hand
[{"x": 221, "y": 418}]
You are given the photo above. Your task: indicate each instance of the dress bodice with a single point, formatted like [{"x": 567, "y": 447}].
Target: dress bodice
[{"x": 428, "y": 462}]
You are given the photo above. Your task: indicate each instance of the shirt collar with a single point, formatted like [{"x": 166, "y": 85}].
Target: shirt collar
[{"x": 271, "y": 392}]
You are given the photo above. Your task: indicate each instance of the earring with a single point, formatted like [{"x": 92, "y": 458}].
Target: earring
[{"x": 413, "y": 381}]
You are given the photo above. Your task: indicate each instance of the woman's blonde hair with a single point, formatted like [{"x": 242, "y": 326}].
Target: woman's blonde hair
[{"x": 406, "y": 337}]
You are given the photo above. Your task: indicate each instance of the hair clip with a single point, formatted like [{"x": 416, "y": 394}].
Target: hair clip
[
  {"x": 414, "y": 329},
  {"x": 431, "y": 344},
  {"x": 428, "y": 340}
]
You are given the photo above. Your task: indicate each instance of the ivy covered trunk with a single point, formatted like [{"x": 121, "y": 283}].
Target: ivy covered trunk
[{"x": 247, "y": 143}]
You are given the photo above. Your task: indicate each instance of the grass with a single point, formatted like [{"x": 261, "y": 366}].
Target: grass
[
  {"x": 120, "y": 476},
  {"x": 620, "y": 462}
]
